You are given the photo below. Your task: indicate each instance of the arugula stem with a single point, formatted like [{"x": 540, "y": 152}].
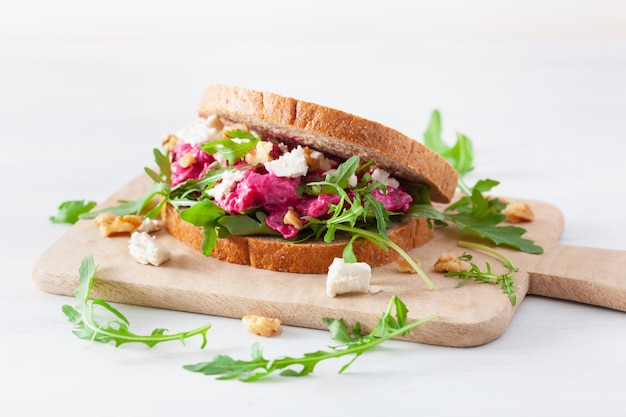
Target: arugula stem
[
  {"x": 376, "y": 237},
  {"x": 484, "y": 248},
  {"x": 100, "y": 331}
]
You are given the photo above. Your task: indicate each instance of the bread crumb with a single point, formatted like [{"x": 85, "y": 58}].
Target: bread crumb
[
  {"x": 262, "y": 326},
  {"x": 447, "y": 262}
]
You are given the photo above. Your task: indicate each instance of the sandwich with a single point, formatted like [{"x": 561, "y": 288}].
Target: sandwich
[{"x": 277, "y": 183}]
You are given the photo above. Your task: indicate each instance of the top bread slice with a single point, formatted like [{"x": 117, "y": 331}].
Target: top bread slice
[{"x": 333, "y": 132}]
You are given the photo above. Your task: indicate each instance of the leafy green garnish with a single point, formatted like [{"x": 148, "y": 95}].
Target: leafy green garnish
[
  {"x": 505, "y": 280},
  {"x": 244, "y": 225},
  {"x": 115, "y": 329},
  {"x": 233, "y": 148},
  {"x": 353, "y": 343},
  {"x": 482, "y": 217},
  {"x": 460, "y": 155},
  {"x": 205, "y": 214},
  {"x": 352, "y": 212},
  {"x": 475, "y": 213},
  {"x": 70, "y": 211},
  {"x": 141, "y": 205}
]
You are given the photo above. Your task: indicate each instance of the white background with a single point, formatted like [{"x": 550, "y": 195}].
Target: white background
[{"x": 88, "y": 88}]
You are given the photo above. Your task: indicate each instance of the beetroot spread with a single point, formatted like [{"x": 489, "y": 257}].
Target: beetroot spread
[
  {"x": 255, "y": 187},
  {"x": 193, "y": 166}
]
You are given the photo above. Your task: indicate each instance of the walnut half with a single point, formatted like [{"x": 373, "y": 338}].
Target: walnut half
[
  {"x": 448, "y": 262},
  {"x": 262, "y": 326},
  {"x": 518, "y": 212}
]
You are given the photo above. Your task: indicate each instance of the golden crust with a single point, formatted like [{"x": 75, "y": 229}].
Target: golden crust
[
  {"x": 333, "y": 132},
  {"x": 309, "y": 257}
]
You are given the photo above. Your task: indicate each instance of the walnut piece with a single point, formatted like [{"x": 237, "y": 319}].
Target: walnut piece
[
  {"x": 187, "y": 160},
  {"x": 405, "y": 266},
  {"x": 316, "y": 160},
  {"x": 447, "y": 262},
  {"x": 262, "y": 326},
  {"x": 169, "y": 142},
  {"x": 110, "y": 224},
  {"x": 518, "y": 212},
  {"x": 260, "y": 154},
  {"x": 292, "y": 218}
]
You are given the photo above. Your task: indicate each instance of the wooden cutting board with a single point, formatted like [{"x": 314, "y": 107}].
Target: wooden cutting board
[{"x": 471, "y": 315}]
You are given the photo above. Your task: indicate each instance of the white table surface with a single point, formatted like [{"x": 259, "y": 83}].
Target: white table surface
[{"x": 548, "y": 121}]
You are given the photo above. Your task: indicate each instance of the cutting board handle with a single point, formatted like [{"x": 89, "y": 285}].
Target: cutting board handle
[{"x": 587, "y": 275}]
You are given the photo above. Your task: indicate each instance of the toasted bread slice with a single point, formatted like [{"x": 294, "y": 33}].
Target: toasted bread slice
[{"x": 333, "y": 132}]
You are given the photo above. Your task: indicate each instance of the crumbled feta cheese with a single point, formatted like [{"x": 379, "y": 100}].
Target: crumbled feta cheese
[
  {"x": 347, "y": 277},
  {"x": 383, "y": 176},
  {"x": 146, "y": 250},
  {"x": 292, "y": 164},
  {"x": 149, "y": 225},
  {"x": 229, "y": 179},
  {"x": 202, "y": 130}
]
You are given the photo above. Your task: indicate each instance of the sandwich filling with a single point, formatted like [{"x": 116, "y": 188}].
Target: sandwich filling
[{"x": 231, "y": 181}]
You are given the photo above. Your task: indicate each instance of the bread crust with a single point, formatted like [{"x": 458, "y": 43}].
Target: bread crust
[
  {"x": 333, "y": 132},
  {"x": 276, "y": 254}
]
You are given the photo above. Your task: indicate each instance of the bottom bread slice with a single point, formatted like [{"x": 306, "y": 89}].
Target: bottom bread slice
[{"x": 313, "y": 257}]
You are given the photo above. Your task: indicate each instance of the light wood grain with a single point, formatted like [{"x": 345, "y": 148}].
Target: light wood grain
[{"x": 468, "y": 316}]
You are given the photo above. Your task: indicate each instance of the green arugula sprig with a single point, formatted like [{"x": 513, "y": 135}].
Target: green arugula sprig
[
  {"x": 353, "y": 343},
  {"x": 70, "y": 211},
  {"x": 505, "y": 280},
  {"x": 475, "y": 213},
  {"x": 115, "y": 330}
]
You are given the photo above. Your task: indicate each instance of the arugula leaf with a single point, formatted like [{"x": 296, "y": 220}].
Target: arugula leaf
[
  {"x": 113, "y": 330},
  {"x": 341, "y": 177},
  {"x": 476, "y": 213},
  {"x": 487, "y": 227},
  {"x": 351, "y": 344},
  {"x": 460, "y": 155},
  {"x": 233, "y": 148},
  {"x": 70, "y": 211},
  {"x": 138, "y": 206},
  {"x": 205, "y": 214},
  {"x": 243, "y": 225},
  {"x": 380, "y": 213},
  {"x": 482, "y": 216}
]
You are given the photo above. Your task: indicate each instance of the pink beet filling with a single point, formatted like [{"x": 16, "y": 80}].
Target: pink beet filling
[
  {"x": 274, "y": 195},
  {"x": 194, "y": 171}
]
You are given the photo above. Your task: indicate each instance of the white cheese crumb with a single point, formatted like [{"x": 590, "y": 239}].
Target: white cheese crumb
[
  {"x": 145, "y": 250},
  {"x": 202, "y": 130},
  {"x": 347, "y": 277},
  {"x": 229, "y": 179},
  {"x": 381, "y": 175},
  {"x": 292, "y": 164},
  {"x": 375, "y": 289},
  {"x": 149, "y": 225}
]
